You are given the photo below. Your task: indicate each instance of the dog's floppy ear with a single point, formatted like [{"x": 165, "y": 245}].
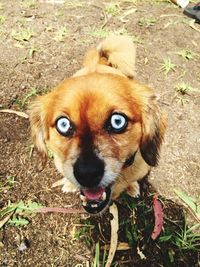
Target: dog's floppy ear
[
  {"x": 152, "y": 120},
  {"x": 153, "y": 127},
  {"x": 39, "y": 130}
]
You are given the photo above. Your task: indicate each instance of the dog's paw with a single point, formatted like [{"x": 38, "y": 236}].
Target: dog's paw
[
  {"x": 133, "y": 190},
  {"x": 68, "y": 187}
]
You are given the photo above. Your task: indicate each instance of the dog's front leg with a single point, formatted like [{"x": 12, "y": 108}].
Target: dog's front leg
[
  {"x": 67, "y": 186},
  {"x": 121, "y": 185}
]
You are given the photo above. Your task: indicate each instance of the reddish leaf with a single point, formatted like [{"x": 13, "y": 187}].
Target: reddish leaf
[
  {"x": 59, "y": 210},
  {"x": 158, "y": 214}
]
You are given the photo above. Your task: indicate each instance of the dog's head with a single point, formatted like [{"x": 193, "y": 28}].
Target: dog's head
[{"x": 94, "y": 125}]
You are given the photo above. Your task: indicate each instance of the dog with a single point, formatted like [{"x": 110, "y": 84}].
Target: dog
[{"x": 103, "y": 127}]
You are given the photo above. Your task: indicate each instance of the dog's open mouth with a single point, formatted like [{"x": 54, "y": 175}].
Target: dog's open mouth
[{"x": 94, "y": 200}]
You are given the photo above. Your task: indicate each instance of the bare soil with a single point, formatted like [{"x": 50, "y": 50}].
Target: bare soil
[{"x": 60, "y": 35}]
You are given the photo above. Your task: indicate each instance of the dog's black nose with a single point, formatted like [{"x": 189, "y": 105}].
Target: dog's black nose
[{"x": 89, "y": 171}]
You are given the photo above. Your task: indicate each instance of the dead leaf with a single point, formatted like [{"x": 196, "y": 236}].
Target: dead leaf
[
  {"x": 59, "y": 210},
  {"x": 73, "y": 232},
  {"x": 114, "y": 234},
  {"x": 141, "y": 254},
  {"x": 146, "y": 61},
  {"x": 158, "y": 214},
  {"x": 120, "y": 246}
]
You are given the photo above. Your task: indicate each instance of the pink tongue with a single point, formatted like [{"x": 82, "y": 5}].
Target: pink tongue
[{"x": 93, "y": 194}]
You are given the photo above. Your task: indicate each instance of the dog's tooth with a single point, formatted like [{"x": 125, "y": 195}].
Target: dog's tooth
[
  {"x": 82, "y": 197},
  {"x": 94, "y": 205},
  {"x": 104, "y": 196},
  {"x": 84, "y": 203}
]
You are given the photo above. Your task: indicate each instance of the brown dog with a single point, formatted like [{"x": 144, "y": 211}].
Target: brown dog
[{"x": 103, "y": 127}]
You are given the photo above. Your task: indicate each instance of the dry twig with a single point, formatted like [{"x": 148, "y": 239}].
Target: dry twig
[
  {"x": 6, "y": 219},
  {"x": 18, "y": 113},
  {"x": 192, "y": 25}
]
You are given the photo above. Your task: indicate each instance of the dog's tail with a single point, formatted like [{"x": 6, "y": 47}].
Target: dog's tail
[{"x": 115, "y": 54}]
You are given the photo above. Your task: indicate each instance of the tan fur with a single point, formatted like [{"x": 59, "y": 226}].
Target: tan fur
[{"x": 105, "y": 84}]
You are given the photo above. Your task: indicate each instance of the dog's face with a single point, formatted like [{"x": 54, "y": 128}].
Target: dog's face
[{"x": 94, "y": 125}]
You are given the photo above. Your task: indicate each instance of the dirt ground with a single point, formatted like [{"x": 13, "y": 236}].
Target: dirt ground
[{"x": 43, "y": 43}]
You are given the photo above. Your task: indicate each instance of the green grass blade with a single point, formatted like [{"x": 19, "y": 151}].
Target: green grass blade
[{"x": 189, "y": 201}]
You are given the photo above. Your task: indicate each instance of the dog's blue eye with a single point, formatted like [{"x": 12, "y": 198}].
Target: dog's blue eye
[
  {"x": 63, "y": 126},
  {"x": 117, "y": 123}
]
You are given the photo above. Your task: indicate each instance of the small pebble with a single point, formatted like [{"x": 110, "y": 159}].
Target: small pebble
[{"x": 24, "y": 245}]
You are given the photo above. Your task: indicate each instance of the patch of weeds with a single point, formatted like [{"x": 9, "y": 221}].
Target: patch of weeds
[
  {"x": 103, "y": 262},
  {"x": 99, "y": 32},
  {"x": 137, "y": 40},
  {"x": 183, "y": 237},
  {"x": 96, "y": 256},
  {"x": 147, "y": 22},
  {"x": 135, "y": 227},
  {"x": 191, "y": 202},
  {"x": 167, "y": 66},
  {"x": 122, "y": 31},
  {"x": 17, "y": 213},
  {"x": 22, "y": 22},
  {"x": 8, "y": 183},
  {"x": 34, "y": 91},
  {"x": 112, "y": 8},
  {"x": 32, "y": 51},
  {"x": 73, "y": 4},
  {"x": 132, "y": 1},
  {"x": 187, "y": 54},
  {"x": 103, "y": 33},
  {"x": 177, "y": 244},
  {"x": 126, "y": 200},
  {"x": 61, "y": 34},
  {"x": 2, "y": 18},
  {"x": 84, "y": 232},
  {"x": 60, "y": 13},
  {"x": 160, "y": 1},
  {"x": 22, "y": 36},
  {"x": 181, "y": 100},
  {"x": 85, "y": 41},
  {"x": 184, "y": 88},
  {"x": 97, "y": 262},
  {"x": 186, "y": 239},
  {"x": 18, "y": 221},
  {"x": 29, "y": 4}
]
